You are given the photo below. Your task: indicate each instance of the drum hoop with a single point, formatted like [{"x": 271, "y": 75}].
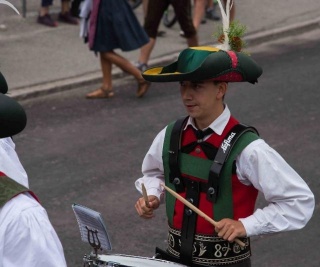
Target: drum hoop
[{"x": 138, "y": 257}]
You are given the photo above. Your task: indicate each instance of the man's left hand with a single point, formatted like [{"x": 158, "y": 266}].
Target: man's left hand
[{"x": 230, "y": 229}]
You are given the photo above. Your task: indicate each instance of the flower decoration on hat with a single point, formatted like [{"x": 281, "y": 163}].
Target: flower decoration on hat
[
  {"x": 235, "y": 34},
  {"x": 230, "y": 33}
]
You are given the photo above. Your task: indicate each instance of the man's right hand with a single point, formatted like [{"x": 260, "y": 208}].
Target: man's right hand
[{"x": 143, "y": 210}]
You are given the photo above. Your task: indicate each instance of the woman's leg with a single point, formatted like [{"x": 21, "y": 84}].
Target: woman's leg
[
  {"x": 128, "y": 67},
  {"x": 105, "y": 91},
  {"x": 106, "y": 67}
]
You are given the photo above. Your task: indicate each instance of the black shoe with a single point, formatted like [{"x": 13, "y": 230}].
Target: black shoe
[
  {"x": 47, "y": 21},
  {"x": 67, "y": 18}
]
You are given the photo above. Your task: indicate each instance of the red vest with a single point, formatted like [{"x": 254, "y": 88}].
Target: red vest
[{"x": 244, "y": 197}]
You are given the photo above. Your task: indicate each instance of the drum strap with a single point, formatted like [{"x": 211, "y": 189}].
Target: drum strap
[{"x": 189, "y": 222}]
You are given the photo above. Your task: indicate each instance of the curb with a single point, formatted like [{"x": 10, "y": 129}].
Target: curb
[{"x": 33, "y": 91}]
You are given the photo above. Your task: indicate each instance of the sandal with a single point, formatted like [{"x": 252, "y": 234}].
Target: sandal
[
  {"x": 143, "y": 88},
  {"x": 100, "y": 93}
]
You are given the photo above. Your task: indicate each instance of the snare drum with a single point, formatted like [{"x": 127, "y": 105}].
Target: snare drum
[{"x": 133, "y": 261}]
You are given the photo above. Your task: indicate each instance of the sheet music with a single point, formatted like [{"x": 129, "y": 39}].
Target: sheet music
[{"x": 88, "y": 218}]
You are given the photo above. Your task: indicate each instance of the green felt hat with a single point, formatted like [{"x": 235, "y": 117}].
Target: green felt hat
[
  {"x": 207, "y": 63},
  {"x": 13, "y": 118}
]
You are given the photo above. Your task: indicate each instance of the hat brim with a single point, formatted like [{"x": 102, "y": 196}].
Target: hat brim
[
  {"x": 13, "y": 118},
  {"x": 207, "y": 63}
]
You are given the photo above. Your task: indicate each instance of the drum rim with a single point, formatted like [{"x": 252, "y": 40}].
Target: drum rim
[{"x": 138, "y": 257}]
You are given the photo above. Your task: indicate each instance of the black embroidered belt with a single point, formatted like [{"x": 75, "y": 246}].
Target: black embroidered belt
[{"x": 210, "y": 250}]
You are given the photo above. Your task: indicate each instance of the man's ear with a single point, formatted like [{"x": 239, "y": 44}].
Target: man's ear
[{"x": 222, "y": 89}]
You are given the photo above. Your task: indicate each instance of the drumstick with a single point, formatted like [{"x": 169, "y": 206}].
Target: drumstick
[
  {"x": 145, "y": 195},
  {"x": 199, "y": 212}
]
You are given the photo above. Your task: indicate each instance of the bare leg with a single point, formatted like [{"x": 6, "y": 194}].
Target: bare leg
[
  {"x": 106, "y": 67},
  {"x": 126, "y": 66},
  {"x": 198, "y": 12},
  {"x": 146, "y": 50},
  {"x": 123, "y": 64},
  {"x": 105, "y": 91}
]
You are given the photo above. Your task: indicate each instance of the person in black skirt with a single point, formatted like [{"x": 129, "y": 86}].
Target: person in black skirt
[{"x": 114, "y": 25}]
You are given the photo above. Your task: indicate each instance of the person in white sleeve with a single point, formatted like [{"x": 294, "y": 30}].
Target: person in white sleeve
[
  {"x": 27, "y": 237},
  {"x": 218, "y": 165}
]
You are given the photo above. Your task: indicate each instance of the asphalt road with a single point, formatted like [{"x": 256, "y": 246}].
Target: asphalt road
[{"x": 90, "y": 151}]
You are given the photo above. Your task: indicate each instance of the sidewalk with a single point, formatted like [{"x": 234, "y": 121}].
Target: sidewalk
[{"x": 37, "y": 60}]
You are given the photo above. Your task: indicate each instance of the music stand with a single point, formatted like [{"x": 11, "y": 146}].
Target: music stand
[{"x": 92, "y": 228}]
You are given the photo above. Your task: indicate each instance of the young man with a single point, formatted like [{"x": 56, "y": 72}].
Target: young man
[
  {"x": 193, "y": 164},
  {"x": 27, "y": 237}
]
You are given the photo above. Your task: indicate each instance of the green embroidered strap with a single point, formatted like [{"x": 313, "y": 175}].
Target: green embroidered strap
[
  {"x": 9, "y": 188},
  {"x": 194, "y": 166},
  {"x": 170, "y": 200},
  {"x": 223, "y": 208}
]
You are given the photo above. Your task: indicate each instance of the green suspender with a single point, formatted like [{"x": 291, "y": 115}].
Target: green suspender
[
  {"x": 223, "y": 208},
  {"x": 199, "y": 167},
  {"x": 170, "y": 200},
  {"x": 9, "y": 189}
]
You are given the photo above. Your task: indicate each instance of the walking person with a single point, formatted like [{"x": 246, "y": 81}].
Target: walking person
[
  {"x": 155, "y": 11},
  {"x": 114, "y": 25},
  {"x": 65, "y": 16}
]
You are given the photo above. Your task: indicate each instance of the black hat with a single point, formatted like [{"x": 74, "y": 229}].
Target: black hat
[
  {"x": 3, "y": 84},
  {"x": 13, "y": 118}
]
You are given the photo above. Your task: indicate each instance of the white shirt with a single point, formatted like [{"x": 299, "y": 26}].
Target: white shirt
[
  {"x": 27, "y": 237},
  {"x": 291, "y": 202},
  {"x": 10, "y": 163}
]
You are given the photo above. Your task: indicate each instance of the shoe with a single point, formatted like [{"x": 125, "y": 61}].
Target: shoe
[
  {"x": 47, "y": 21},
  {"x": 100, "y": 93},
  {"x": 161, "y": 34},
  {"x": 211, "y": 14},
  {"x": 141, "y": 66},
  {"x": 67, "y": 18},
  {"x": 143, "y": 87},
  {"x": 181, "y": 33}
]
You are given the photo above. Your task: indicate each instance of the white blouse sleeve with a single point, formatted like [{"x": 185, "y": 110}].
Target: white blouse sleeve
[
  {"x": 30, "y": 239},
  {"x": 152, "y": 168},
  {"x": 290, "y": 200}
]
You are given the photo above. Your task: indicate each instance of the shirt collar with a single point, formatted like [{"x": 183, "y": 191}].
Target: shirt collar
[{"x": 217, "y": 125}]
